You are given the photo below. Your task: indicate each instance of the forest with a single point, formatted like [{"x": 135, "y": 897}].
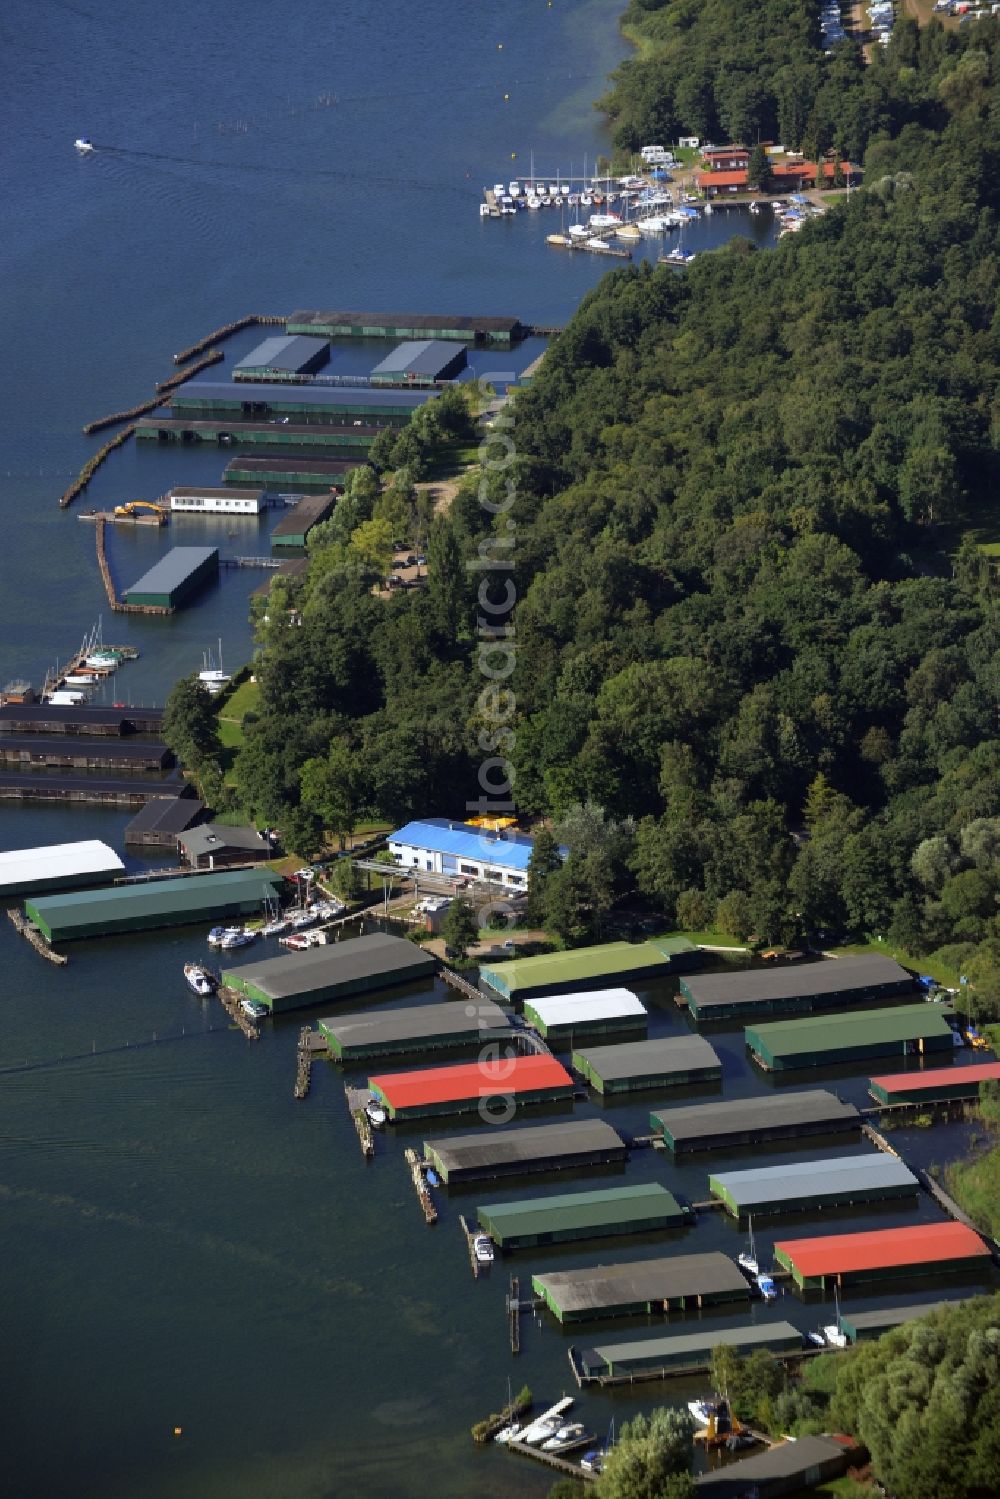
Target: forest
[{"x": 756, "y": 654}]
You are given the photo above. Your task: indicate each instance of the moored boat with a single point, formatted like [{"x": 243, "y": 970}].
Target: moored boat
[{"x": 199, "y": 980}]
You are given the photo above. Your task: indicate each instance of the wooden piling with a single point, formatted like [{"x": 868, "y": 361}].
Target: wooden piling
[
  {"x": 91, "y": 466},
  {"x": 118, "y": 605},
  {"x": 416, "y": 1166},
  {"x": 31, "y": 934},
  {"x": 470, "y": 1245},
  {"x": 217, "y": 335},
  {"x": 304, "y": 1060},
  {"x": 514, "y": 1313},
  {"x": 230, "y": 1002}
]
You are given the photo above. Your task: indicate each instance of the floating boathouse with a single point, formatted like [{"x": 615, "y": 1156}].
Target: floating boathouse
[
  {"x": 567, "y": 1145},
  {"x": 643, "y": 1207},
  {"x": 751, "y": 1121},
  {"x": 357, "y": 965},
  {"x": 833, "y": 983},
  {"x": 825, "y": 1041},
  {"x": 667, "y": 1062}
]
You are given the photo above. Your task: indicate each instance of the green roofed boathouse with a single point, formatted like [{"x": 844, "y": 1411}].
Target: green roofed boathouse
[
  {"x": 175, "y": 577},
  {"x": 682, "y": 1353},
  {"x": 643, "y": 1207},
  {"x": 154, "y": 903},
  {"x": 358, "y": 965},
  {"x": 906, "y": 1031},
  {"x": 559, "y": 972}
]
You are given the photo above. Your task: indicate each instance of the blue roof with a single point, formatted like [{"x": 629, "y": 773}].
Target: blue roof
[{"x": 439, "y": 836}]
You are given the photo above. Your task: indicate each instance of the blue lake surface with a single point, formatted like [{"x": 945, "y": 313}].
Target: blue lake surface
[{"x": 185, "y": 1247}]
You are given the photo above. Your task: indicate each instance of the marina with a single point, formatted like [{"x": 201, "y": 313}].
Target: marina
[
  {"x": 661, "y": 1063},
  {"x": 935, "y": 1085},
  {"x": 412, "y": 1031},
  {"x": 362, "y": 965},
  {"x": 678, "y": 1283},
  {"x": 908, "y": 1030},
  {"x": 525, "y": 1149},
  {"x": 610, "y": 1364},
  {"x": 814, "y": 1185},
  {"x": 143, "y": 907},
  {"x": 566, "y": 1019},
  {"x": 565, "y": 1217},
  {"x": 881, "y": 1254},
  {"x": 747, "y": 1121},
  {"x": 834, "y": 983},
  {"x": 583, "y": 967}
]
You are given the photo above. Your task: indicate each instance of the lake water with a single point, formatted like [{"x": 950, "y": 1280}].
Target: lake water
[{"x": 183, "y": 1245}]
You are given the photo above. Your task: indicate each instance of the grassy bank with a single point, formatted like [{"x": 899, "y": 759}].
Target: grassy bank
[{"x": 975, "y": 1185}]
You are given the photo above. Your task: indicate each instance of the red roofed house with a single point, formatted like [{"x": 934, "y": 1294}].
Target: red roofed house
[
  {"x": 714, "y": 183},
  {"x": 727, "y": 159},
  {"x": 796, "y": 175}
]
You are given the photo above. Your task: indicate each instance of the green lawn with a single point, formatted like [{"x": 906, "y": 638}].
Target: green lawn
[
  {"x": 451, "y": 460},
  {"x": 231, "y": 711},
  {"x": 975, "y": 1184},
  {"x": 707, "y": 938},
  {"x": 940, "y": 971}
]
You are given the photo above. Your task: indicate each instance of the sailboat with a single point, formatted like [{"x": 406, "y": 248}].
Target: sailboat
[
  {"x": 833, "y": 1333},
  {"x": 213, "y": 678},
  {"x": 748, "y": 1259}
]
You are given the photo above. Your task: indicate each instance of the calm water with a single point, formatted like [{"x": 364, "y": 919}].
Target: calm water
[{"x": 184, "y": 1246}]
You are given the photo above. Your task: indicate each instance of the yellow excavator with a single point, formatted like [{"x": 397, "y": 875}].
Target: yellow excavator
[{"x": 142, "y": 510}]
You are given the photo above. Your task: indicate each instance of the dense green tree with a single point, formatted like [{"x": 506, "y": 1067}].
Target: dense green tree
[
  {"x": 331, "y": 789},
  {"x": 545, "y": 860},
  {"x": 190, "y": 726},
  {"x": 460, "y": 927},
  {"x": 650, "y": 1456}
]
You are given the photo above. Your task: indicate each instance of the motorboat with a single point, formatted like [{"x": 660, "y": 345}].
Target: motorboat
[
  {"x": 216, "y": 935},
  {"x": 484, "y": 210},
  {"x": 300, "y": 919},
  {"x": 628, "y": 231},
  {"x": 274, "y": 928},
  {"x": 238, "y": 936},
  {"x": 376, "y": 1113},
  {"x": 540, "y": 1432},
  {"x": 703, "y": 1410},
  {"x": 593, "y": 1461},
  {"x": 533, "y": 201},
  {"x": 482, "y": 1248},
  {"x": 498, "y": 189},
  {"x": 586, "y": 200},
  {"x": 507, "y": 204},
  {"x": 816, "y": 1338},
  {"x": 433, "y": 1180},
  {"x": 508, "y": 1434},
  {"x": 579, "y": 231},
  {"x": 254, "y": 1009},
  {"x": 199, "y": 980},
  {"x": 833, "y": 1335},
  {"x": 554, "y": 190},
  {"x": 766, "y": 1286},
  {"x": 651, "y": 226},
  {"x": 604, "y": 221},
  {"x": 297, "y": 942},
  {"x": 514, "y": 188},
  {"x": 83, "y": 145},
  {"x": 573, "y": 1435},
  {"x": 558, "y": 239},
  {"x": 212, "y": 677}
]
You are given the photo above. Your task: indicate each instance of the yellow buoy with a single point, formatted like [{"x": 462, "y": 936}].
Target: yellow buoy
[{"x": 178, "y": 1430}]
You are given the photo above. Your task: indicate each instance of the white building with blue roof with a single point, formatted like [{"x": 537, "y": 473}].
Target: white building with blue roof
[{"x": 458, "y": 851}]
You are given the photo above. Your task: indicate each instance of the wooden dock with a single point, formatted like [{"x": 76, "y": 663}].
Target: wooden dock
[
  {"x": 356, "y": 1100},
  {"x": 230, "y": 1002},
  {"x": 417, "y": 1168},
  {"x": 31, "y": 934},
  {"x": 457, "y": 982},
  {"x": 514, "y": 1313},
  {"x": 117, "y": 604},
  {"x": 305, "y": 1054},
  {"x": 470, "y": 1244}
]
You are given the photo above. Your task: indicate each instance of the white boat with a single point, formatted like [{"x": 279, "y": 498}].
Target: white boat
[
  {"x": 708, "y": 207},
  {"x": 296, "y": 942},
  {"x": 216, "y": 935},
  {"x": 484, "y": 210},
  {"x": 238, "y": 936},
  {"x": 498, "y": 189},
  {"x": 81, "y": 679},
  {"x": 507, "y": 204},
  {"x": 766, "y": 1286},
  {"x": 833, "y": 1334},
  {"x": 274, "y": 928},
  {"x": 199, "y": 980},
  {"x": 703, "y": 1410},
  {"x": 567, "y": 1436},
  {"x": 816, "y": 1339},
  {"x": 542, "y": 193},
  {"x": 605, "y": 220},
  {"x": 748, "y": 1259},
  {"x": 376, "y": 1113},
  {"x": 482, "y": 1248},
  {"x": 212, "y": 677},
  {"x": 628, "y": 231},
  {"x": 586, "y": 201},
  {"x": 558, "y": 239},
  {"x": 554, "y": 190},
  {"x": 508, "y": 1434},
  {"x": 651, "y": 226},
  {"x": 579, "y": 231},
  {"x": 514, "y": 188},
  {"x": 533, "y": 201},
  {"x": 83, "y": 145},
  {"x": 254, "y": 1009},
  {"x": 300, "y": 919},
  {"x": 540, "y": 1432}
]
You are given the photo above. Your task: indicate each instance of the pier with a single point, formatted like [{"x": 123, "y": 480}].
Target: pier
[
  {"x": 470, "y": 1244},
  {"x": 417, "y": 1170},
  {"x": 117, "y": 604},
  {"x": 30, "y": 932},
  {"x": 514, "y": 1313},
  {"x": 219, "y": 335},
  {"x": 310, "y": 1046},
  {"x": 91, "y": 466},
  {"x": 454, "y": 979},
  {"x": 230, "y": 1002},
  {"x": 356, "y": 1100}
]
